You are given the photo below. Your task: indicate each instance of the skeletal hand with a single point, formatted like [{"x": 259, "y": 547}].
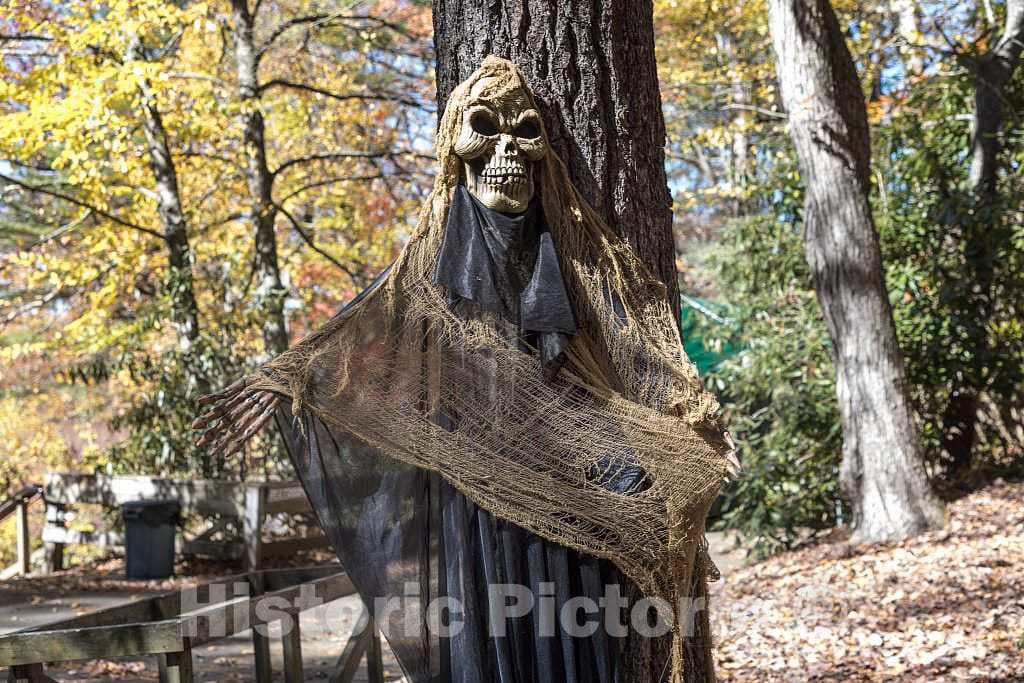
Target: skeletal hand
[{"x": 233, "y": 416}]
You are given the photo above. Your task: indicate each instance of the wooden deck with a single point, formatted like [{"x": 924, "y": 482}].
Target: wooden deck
[{"x": 170, "y": 626}]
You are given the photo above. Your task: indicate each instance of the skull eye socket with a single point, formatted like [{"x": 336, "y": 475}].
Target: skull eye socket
[
  {"x": 527, "y": 129},
  {"x": 482, "y": 123}
]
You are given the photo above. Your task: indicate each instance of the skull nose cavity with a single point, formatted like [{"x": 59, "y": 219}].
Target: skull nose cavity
[{"x": 507, "y": 145}]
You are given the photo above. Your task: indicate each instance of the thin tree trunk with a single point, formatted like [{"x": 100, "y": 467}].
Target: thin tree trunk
[
  {"x": 741, "y": 98},
  {"x": 270, "y": 293},
  {"x": 591, "y": 64},
  {"x": 907, "y": 15},
  {"x": 180, "y": 281},
  {"x": 882, "y": 470},
  {"x": 992, "y": 75}
]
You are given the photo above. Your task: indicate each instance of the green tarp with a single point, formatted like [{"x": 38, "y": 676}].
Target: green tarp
[{"x": 699, "y": 317}]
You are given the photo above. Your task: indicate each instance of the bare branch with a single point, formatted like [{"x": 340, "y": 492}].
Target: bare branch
[
  {"x": 35, "y": 305},
  {"x": 318, "y": 20},
  {"x": 370, "y": 156},
  {"x": 312, "y": 245},
  {"x": 206, "y": 155},
  {"x": 290, "y": 24},
  {"x": 990, "y": 15},
  {"x": 11, "y": 38},
  {"x": 336, "y": 156},
  {"x": 196, "y": 76},
  {"x": 226, "y": 219},
  {"x": 280, "y": 82},
  {"x": 397, "y": 28},
  {"x": 330, "y": 181},
  {"x": 62, "y": 230},
  {"x": 85, "y": 205}
]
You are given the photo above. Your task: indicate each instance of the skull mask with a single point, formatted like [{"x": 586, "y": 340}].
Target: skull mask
[{"x": 500, "y": 139}]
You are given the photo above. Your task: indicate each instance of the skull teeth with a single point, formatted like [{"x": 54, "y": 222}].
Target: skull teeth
[{"x": 504, "y": 174}]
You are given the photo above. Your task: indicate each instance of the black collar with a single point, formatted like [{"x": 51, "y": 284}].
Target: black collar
[{"x": 507, "y": 264}]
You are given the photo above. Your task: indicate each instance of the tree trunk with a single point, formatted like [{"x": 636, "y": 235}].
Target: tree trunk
[
  {"x": 184, "y": 310},
  {"x": 882, "y": 470},
  {"x": 992, "y": 75},
  {"x": 907, "y": 16},
  {"x": 591, "y": 65},
  {"x": 270, "y": 293},
  {"x": 741, "y": 100}
]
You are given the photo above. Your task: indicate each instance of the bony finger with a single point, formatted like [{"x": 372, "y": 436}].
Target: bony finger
[
  {"x": 207, "y": 437},
  {"x": 227, "y": 392}
]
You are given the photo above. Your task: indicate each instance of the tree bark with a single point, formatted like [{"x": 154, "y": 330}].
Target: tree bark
[
  {"x": 907, "y": 17},
  {"x": 180, "y": 281},
  {"x": 741, "y": 99},
  {"x": 992, "y": 75},
  {"x": 270, "y": 293},
  {"x": 591, "y": 65},
  {"x": 882, "y": 470},
  {"x": 592, "y": 68}
]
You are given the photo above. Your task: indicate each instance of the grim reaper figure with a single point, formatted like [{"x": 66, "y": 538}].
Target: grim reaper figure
[{"x": 503, "y": 431}]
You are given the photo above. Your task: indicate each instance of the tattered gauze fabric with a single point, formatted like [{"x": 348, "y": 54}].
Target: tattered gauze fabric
[{"x": 386, "y": 368}]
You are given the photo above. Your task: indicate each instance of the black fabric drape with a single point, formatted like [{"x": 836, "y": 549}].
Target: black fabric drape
[
  {"x": 507, "y": 264},
  {"x": 394, "y": 526}
]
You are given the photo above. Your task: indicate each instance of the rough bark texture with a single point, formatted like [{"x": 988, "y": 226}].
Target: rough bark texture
[
  {"x": 184, "y": 310},
  {"x": 270, "y": 293},
  {"x": 992, "y": 75},
  {"x": 882, "y": 470},
  {"x": 592, "y": 66}
]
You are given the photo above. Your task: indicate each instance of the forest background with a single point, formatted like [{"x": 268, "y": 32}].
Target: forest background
[{"x": 188, "y": 187}]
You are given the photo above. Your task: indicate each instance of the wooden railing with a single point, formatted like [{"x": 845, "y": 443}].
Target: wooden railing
[
  {"x": 246, "y": 502},
  {"x": 18, "y": 505},
  {"x": 157, "y": 627}
]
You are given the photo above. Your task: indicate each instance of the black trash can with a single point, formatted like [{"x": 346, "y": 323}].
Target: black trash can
[{"x": 149, "y": 529}]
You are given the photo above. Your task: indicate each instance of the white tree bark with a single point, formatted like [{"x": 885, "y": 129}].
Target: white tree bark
[{"x": 270, "y": 292}]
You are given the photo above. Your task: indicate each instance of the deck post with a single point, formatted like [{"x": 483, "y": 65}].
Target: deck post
[
  {"x": 291, "y": 645},
  {"x": 24, "y": 545},
  {"x": 176, "y": 667},
  {"x": 255, "y": 511},
  {"x": 55, "y": 516},
  {"x": 374, "y": 656}
]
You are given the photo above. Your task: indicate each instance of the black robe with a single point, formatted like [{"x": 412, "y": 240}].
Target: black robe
[{"x": 406, "y": 536}]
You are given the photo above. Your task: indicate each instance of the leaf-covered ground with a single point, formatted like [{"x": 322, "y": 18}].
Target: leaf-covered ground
[{"x": 944, "y": 606}]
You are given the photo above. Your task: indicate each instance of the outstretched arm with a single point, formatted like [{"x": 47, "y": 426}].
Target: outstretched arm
[{"x": 233, "y": 416}]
